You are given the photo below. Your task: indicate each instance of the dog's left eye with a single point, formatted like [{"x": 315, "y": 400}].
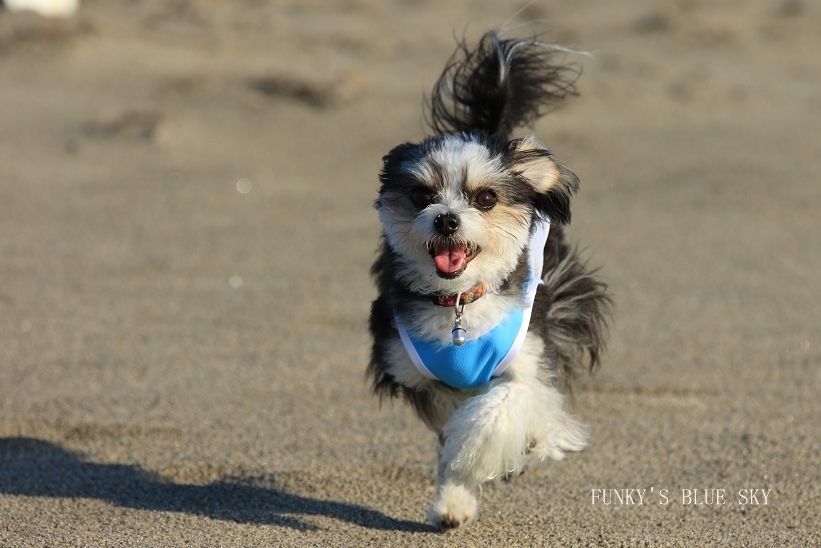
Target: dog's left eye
[
  {"x": 422, "y": 197},
  {"x": 485, "y": 199}
]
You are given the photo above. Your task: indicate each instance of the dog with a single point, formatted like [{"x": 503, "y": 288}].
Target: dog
[{"x": 484, "y": 313}]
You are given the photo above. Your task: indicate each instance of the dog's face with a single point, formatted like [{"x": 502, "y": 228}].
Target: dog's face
[{"x": 457, "y": 209}]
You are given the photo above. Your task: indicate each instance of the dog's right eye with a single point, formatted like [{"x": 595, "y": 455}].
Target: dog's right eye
[{"x": 422, "y": 197}]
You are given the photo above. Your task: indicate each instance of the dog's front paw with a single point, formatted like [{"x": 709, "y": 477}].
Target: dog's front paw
[{"x": 452, "y": 508}]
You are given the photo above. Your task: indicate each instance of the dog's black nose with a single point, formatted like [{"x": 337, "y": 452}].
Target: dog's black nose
[{"x": 446, "y": 223}]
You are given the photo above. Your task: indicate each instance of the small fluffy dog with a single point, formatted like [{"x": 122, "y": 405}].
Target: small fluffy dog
[{"x": 484, "y": 312}]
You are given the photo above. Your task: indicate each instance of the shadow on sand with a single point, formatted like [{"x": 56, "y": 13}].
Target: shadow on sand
[{"x": 37, "y": 468}]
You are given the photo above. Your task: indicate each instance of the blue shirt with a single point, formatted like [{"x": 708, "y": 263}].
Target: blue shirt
[{"x": 476, "y": 361}]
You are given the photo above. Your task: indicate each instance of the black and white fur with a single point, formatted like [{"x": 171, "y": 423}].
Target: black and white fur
[{"x": 518, "y": 418}]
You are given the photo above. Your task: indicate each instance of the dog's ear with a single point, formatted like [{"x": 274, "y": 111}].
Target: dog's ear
[
  {"x": 553, "y": 182},
  {"x": 398, "y": 154},
  {"x": 392, "y": 162}
]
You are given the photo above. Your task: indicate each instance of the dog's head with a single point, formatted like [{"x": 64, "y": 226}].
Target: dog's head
[{"x": 457, "y": 210}]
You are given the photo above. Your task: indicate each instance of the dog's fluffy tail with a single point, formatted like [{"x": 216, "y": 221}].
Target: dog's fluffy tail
[{"x": 501, "y": 85}]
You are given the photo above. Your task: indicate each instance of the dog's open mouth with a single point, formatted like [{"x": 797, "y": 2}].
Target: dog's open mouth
[{"x": 451, "y": 258}]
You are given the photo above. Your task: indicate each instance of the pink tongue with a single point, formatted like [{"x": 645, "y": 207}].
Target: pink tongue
[{"x": 450, "y": 258}]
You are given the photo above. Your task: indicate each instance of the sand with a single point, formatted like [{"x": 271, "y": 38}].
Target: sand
[{"x": 186, "y": 220}]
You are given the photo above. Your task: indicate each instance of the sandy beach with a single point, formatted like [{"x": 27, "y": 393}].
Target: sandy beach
[{"x": 187, "y": 229}]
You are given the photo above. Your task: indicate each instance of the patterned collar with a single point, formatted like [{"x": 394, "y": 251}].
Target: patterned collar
[{"x": 464, "y": 298}]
